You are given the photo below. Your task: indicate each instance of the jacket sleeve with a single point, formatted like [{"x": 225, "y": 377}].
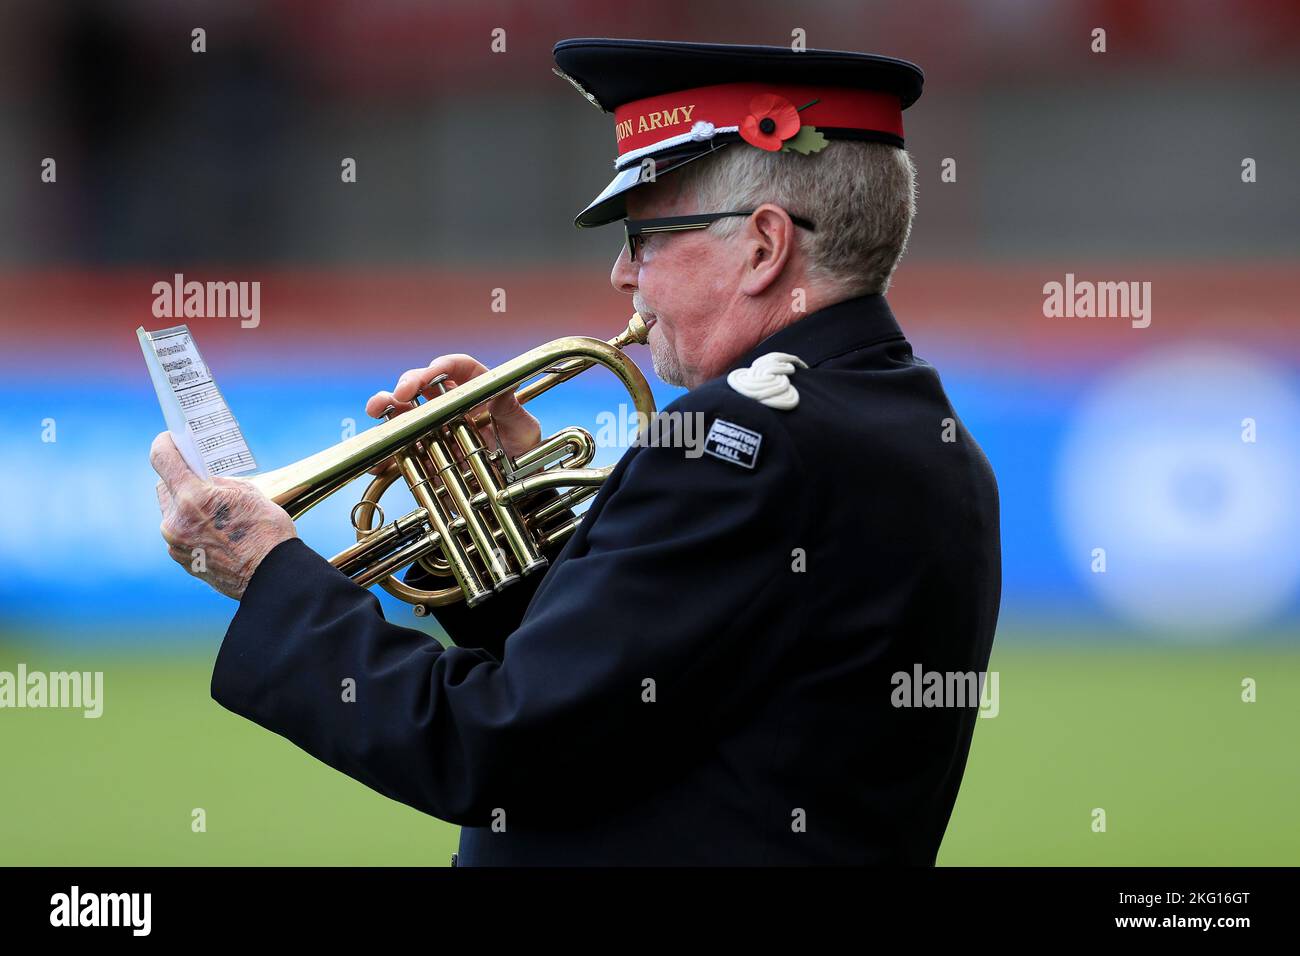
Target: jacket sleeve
[{"x": 661, "y": 621}]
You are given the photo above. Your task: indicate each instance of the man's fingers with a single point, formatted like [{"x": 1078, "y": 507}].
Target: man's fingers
[
  {"x": 517, "y": 428},
  {"x": 410, "y": 382},
  {"x": 415, "y": 381},
  {"x": 402, "y": 397},
  {"x": 171, "y": 467},
  {"x": 458, "y": 368},
  {"x": 378, "y": 402},
  {"x": 505, "y": 405}
]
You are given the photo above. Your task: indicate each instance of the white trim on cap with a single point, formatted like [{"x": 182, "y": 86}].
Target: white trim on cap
[{"x": 696, "y": 134}]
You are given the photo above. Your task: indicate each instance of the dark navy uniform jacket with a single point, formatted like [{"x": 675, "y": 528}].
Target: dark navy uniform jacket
[{"x": 706, "y": 673}]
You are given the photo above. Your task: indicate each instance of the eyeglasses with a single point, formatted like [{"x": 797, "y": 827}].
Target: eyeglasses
[{"x": 634, "y": 230}]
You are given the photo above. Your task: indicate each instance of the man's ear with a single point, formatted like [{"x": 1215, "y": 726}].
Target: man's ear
[{"x": 769, "y": 244}]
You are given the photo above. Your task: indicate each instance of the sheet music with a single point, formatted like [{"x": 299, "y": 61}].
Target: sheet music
[{"x": 201, "y": 424}]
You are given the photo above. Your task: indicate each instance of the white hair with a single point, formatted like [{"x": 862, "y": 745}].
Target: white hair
[{"x": 861, "y": 197}]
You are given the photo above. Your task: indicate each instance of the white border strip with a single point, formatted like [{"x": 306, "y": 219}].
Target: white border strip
[{"x": 691, "y": 136}]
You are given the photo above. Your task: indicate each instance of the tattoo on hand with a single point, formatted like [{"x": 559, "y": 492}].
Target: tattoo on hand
[{"x": 221, "y": 518}]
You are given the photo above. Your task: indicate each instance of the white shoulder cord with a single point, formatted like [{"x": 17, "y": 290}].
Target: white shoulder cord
[{"x": 767, "y": 380}]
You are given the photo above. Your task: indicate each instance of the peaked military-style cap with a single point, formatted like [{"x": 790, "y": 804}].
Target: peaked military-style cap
[{"x": 674, "y": 103}]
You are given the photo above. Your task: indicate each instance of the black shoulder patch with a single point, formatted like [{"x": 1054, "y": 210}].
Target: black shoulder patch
[{"x": 732, "y": 443}]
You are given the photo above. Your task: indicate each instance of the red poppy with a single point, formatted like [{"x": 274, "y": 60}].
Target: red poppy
[{"x": 772, "y": 119}]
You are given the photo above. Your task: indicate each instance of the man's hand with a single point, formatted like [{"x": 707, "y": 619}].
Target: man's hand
[
  {"x": 517, "y": 429},
  {"x": 218, "y": 530}
]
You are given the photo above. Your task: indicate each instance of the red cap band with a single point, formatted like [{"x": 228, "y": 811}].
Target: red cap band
[{"x": 642, "y": 123}]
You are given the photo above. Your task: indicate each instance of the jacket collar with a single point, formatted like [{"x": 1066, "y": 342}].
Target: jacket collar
[{"x": 843, "y": 327}]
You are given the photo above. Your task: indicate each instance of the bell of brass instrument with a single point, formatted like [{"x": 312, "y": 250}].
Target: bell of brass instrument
[{"x": 479, "y": 521}]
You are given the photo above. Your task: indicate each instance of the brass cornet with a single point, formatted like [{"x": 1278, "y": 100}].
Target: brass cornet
[{"x": 471, "y": 524}]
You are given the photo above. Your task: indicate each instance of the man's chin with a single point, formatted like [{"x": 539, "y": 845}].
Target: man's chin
[
  {"x": 669, "y": 376},
  {"x": 665, "y": 361}
]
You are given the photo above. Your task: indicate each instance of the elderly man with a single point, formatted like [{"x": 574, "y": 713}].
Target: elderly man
[{"x": 717, "y": 666}]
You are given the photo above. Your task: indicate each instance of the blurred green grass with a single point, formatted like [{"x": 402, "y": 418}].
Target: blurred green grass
[{"x": 1159, "y": 738}]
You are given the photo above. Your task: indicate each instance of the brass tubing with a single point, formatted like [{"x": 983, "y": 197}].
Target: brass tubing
[
  {"x": 430, "y": 541},
  {"x": 461, "y": 568},
  {"x": 573, "y": 445},
  {"x": 397, "y": 559},
  {"x": 399, "y": 530},
  {"x": 448, "y": 471},
  {"x": 636, "y": 333},
  {"x": 563, "y": 531},
  {"x": 555, "y": 478},
  {"x": 512, "y": 528},
  {"x": 300, "y": 486},
  {"x": 470, "y": 519},
  {"x": 565, "y": 501}
]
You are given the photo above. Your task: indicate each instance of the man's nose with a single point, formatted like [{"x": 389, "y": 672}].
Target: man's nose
[{"x": 624, "y": 274}]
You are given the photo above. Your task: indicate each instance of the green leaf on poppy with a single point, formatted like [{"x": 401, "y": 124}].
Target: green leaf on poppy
[{"x": 808, "y": 140}]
